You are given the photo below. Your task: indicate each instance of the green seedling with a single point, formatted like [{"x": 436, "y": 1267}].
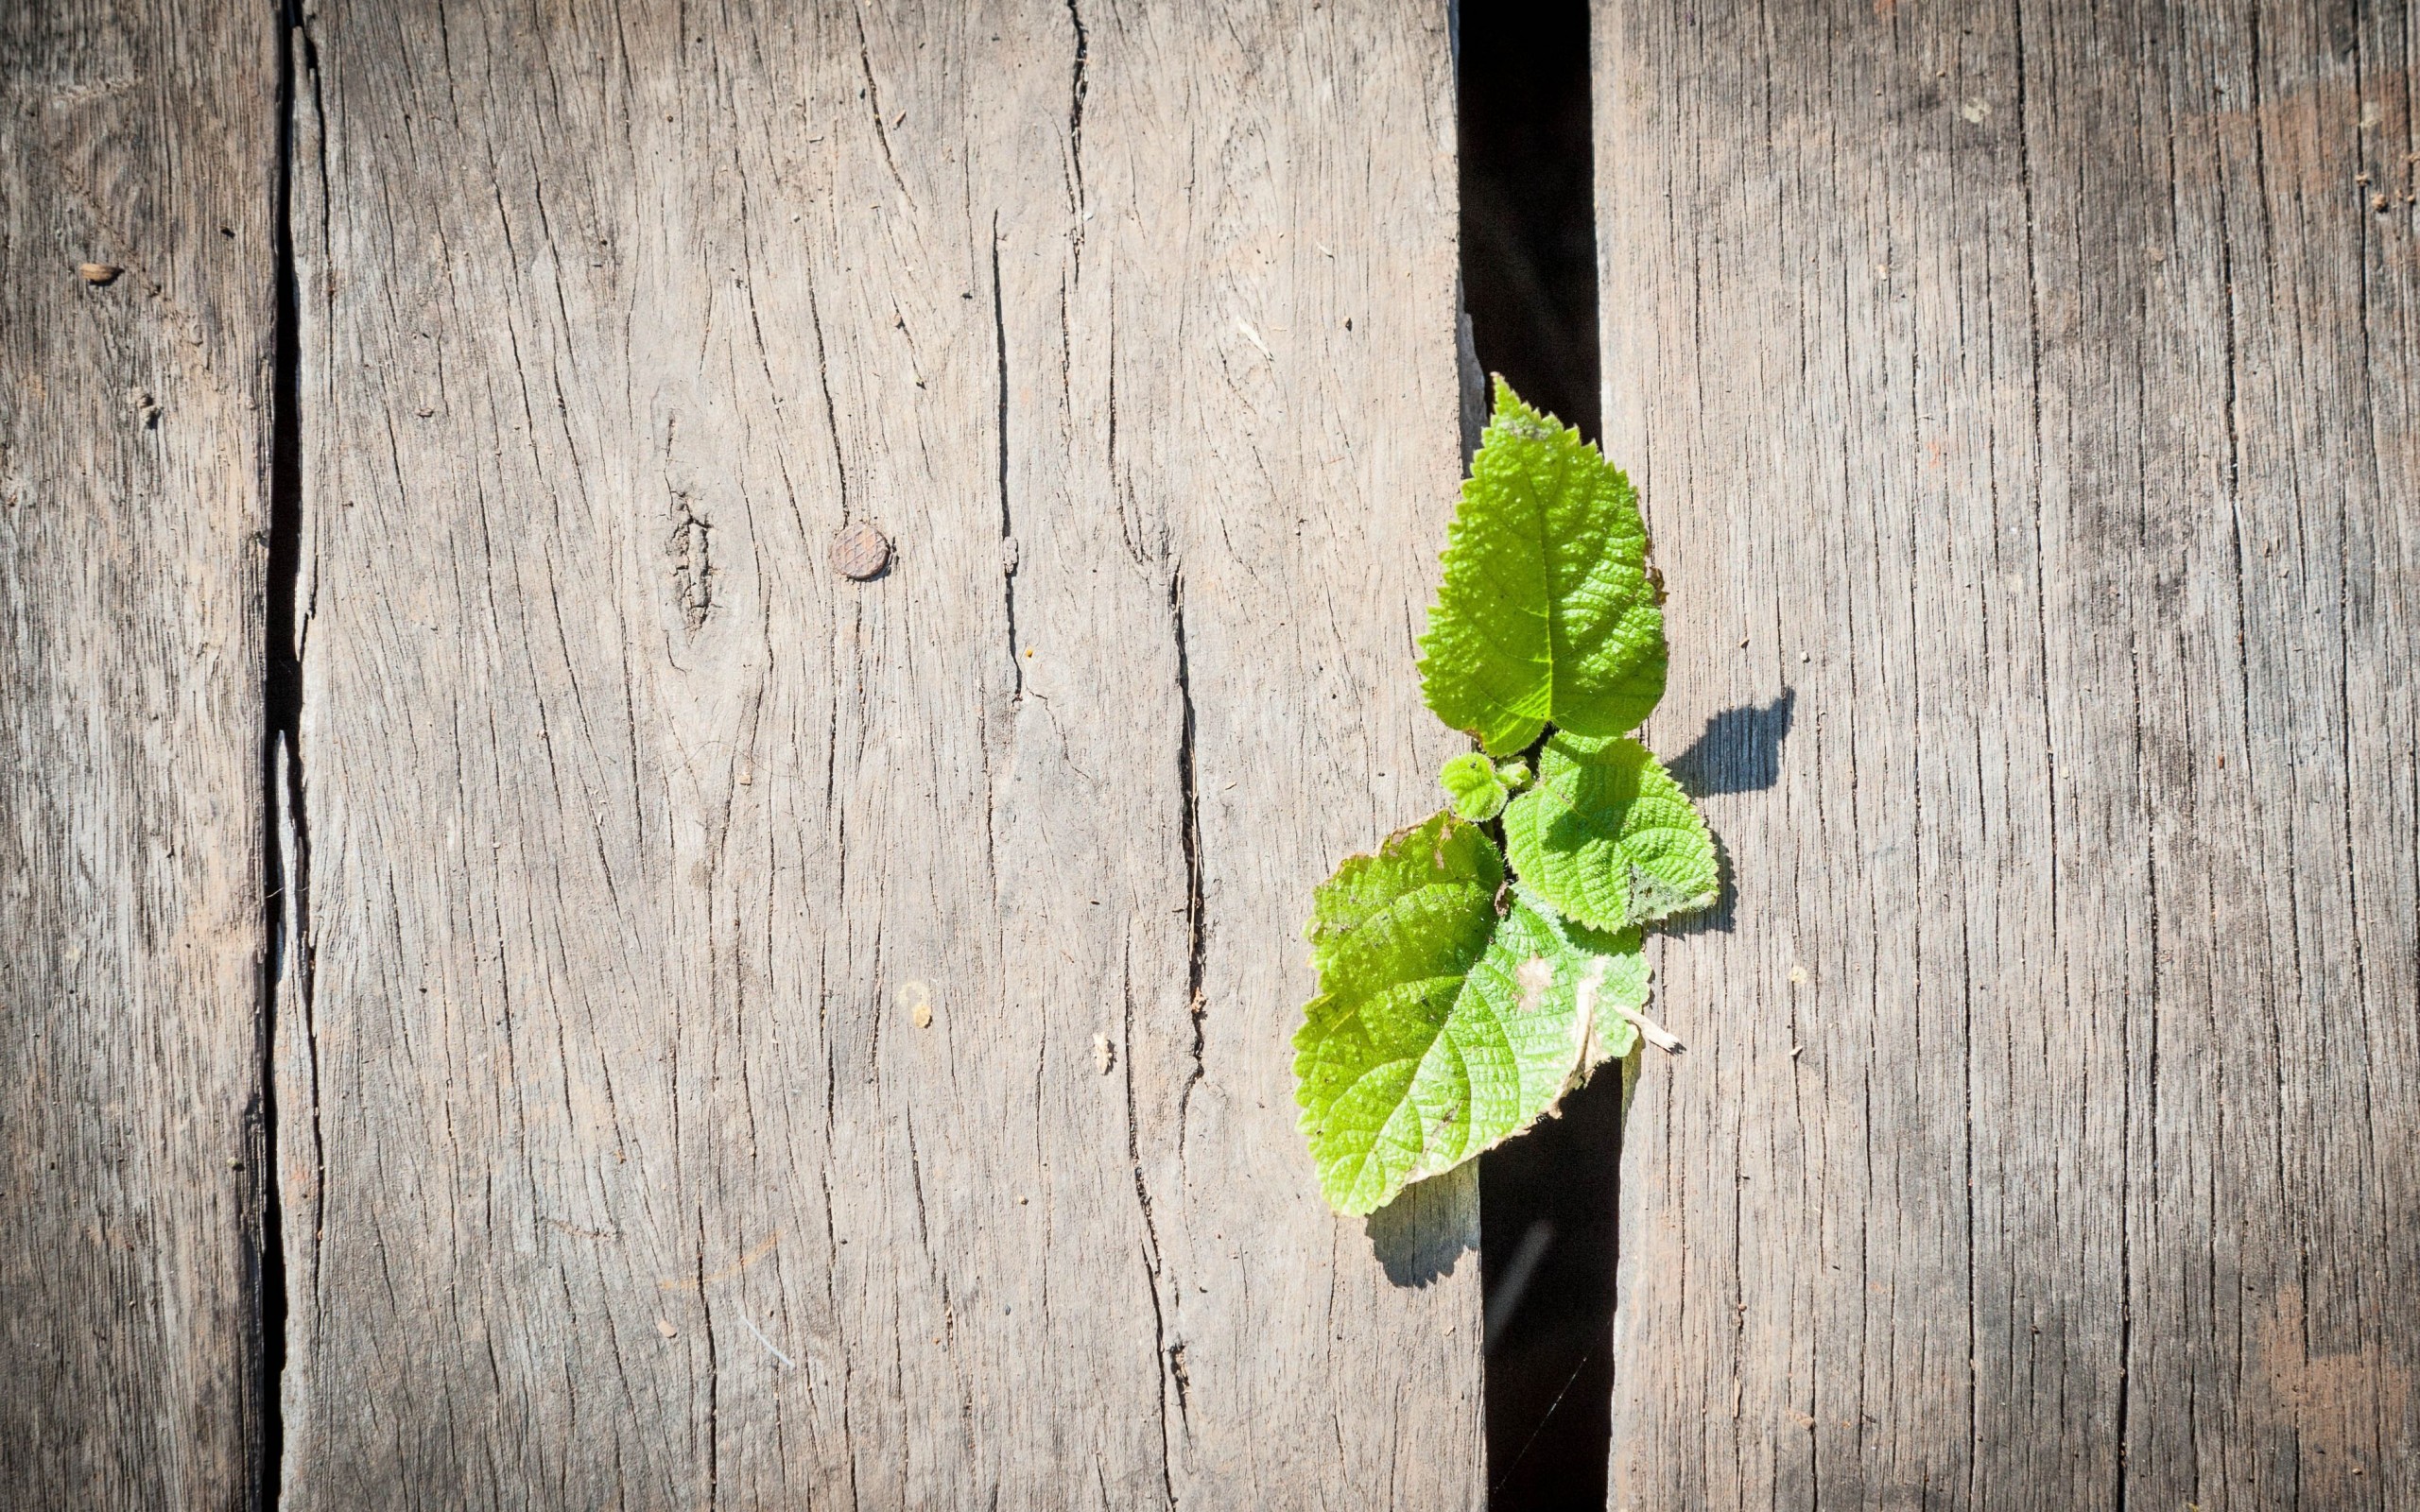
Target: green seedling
[{"x": 1460, "y": 997}]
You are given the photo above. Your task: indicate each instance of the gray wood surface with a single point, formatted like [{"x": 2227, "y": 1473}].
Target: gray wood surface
[
  {"x": 774, "y": 1039},
  {"x": 2027, "y": 400},
  {"x": 134, "y": 501}
]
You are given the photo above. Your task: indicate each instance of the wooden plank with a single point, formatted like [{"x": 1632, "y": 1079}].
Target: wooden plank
[
  {"x": 2024, "y": 399},
  {"x": 134, "y": 512},
  {"x": 780, "y": 1038}
]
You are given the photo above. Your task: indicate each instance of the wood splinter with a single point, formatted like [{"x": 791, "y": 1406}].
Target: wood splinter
[{"x": 1654, "y": 1033}]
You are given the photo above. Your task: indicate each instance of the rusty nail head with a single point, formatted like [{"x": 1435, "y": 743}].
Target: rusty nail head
[{"x": 859, "y": 551}]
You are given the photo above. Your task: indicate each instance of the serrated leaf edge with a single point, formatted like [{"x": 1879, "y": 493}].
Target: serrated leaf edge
[{"x": 1591, "y": 1046}]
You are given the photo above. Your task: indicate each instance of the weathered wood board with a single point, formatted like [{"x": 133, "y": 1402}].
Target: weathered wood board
[
  {"x": 779, "y": 1038},
  {"x": 134, "y": 444},
  {"x": 2027, "y": 400}
]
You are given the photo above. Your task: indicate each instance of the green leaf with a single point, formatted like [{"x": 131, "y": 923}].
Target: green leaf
[
  {"x": 1608, "y": 838},
  {"x": 1441, "y": 1030},
  {"x": 1438, "y": 872},
  {"x": 1610, "y": 990},
  {"x": 1546, "y": 611},
  {"x": 1473, "y": 785}
]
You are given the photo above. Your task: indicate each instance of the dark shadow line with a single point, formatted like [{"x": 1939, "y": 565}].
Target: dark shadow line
[
  {"x": 1525, "y": 178},
  {"x": 1533, "y": 1439},
  {"x": 284, "y": 878}
]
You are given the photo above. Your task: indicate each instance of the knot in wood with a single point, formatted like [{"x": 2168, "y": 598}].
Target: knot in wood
[{"x": 859, "y": 551}]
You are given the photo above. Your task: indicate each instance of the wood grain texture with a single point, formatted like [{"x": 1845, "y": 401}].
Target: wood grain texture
[
  {"x": 713, "y": 960},
  {"x": 2024, "y": 398},
  {"x": 134, "y": 501}
]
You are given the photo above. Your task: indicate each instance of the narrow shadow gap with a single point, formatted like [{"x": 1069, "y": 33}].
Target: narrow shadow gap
[
  {"x": 1548, "y": 1200},
  {"x": 1528, "y": 227},
  {"x": 282, "y": 853}
]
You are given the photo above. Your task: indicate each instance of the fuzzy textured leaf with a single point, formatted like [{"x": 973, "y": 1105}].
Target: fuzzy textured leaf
[
  {"x": 1440, "y": 1029},
  {"x": 1473, "y": 786},
  {"x": 1434, "y": 885},
  {"x": 1608, "y": 838},
  {"x": 1546, "y": 611}
]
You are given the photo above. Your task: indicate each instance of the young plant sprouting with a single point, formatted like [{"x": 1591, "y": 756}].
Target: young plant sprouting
[
  {"x": 1479, "y": 788},
  {"x": 1458, "y": 1002}
]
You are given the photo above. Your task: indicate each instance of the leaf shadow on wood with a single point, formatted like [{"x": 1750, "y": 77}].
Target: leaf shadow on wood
[
  {"x": 1424, "y": 1233},
  {"x": 1739, "y": 751}
]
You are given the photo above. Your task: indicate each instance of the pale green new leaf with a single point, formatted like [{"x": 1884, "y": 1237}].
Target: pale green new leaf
[
  {"x": 1471, "y": 782},
  {"x": 1608, "y": 838},
  {"x": 1441, "y": 1030},
  {"x": 1546, "y": 611}
]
